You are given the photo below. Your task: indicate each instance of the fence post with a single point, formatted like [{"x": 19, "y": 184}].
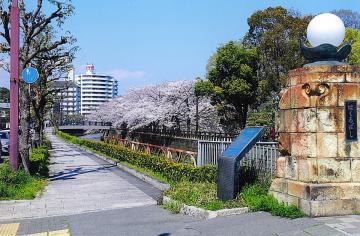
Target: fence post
[{"x": 199, "y": 154}]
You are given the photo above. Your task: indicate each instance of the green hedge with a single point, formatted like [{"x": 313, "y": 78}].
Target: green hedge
[
  {"x": 170, "y": 170},
  {"x": 39, "y": 161}
]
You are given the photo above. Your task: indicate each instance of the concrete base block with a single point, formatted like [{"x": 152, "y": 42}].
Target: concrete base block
[{"x": 316, "y": 200}]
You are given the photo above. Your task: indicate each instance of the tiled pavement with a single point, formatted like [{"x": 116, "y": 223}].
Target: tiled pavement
[
  {"x": 77, "y": 184},
  {"x": 38, "y": 227},
  {"x": 348, "y": 225}
]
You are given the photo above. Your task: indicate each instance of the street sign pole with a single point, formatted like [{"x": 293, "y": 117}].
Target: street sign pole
[{"x": 14, "y": 86}]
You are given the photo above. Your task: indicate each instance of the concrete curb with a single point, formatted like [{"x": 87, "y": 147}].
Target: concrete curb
[
  {"x": 205, "y": 214},
  {"x": 150, "y": 180}
]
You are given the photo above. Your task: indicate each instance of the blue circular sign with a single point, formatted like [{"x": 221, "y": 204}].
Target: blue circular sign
[{"x": 30, "y": 75}]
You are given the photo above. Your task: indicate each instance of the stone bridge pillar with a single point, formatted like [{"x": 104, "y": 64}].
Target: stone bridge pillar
[{"x": 319, "y": 167}]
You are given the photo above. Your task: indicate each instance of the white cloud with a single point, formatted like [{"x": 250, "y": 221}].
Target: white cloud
[{"x": 122, "y": 74}]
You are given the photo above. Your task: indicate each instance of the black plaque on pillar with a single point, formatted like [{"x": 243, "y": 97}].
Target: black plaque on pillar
[{"x": 351, "y": 131}]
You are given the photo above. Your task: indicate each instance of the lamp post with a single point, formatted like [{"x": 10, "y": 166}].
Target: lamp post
[{"x": 14, "y": 85}]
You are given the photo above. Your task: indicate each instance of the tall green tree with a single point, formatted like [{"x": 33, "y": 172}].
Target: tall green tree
[
  {"x": 4, "y": 95},
  {"x": 275, "y": 33},
  {"x": 52, "y": 66},
  {"x": 354, "y": 57},
  {"x": 34, "y": 22},
  {"x": 231, "y": 83}
]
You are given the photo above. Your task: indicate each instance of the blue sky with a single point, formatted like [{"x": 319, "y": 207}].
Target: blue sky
[{"x": 150, "y": 41}]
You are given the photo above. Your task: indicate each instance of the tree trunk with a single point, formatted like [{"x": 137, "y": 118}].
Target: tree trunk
[
  {"x": 242, "y": 111},
  {"x": 41, "y": 133},
  {"x": 24, "y": 125}
]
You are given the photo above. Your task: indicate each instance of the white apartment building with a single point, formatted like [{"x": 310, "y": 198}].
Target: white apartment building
[
  {"x": 95, "y": 89},
  {"x": 69, "y": 103}
]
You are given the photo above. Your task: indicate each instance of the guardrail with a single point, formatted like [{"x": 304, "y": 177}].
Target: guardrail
[
  {"x": 214, "y": 136},
  {"x": 85, "y": 123},
  {"x": 263, "y": 155},
  {"x": 177, "y": 155}
]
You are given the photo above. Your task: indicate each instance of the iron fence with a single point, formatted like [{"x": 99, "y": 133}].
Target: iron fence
[
  {"x": 200, "y": 135},
  {"x": 263, "y": 155}
]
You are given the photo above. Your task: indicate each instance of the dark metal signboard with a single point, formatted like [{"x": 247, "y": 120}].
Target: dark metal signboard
[
  {"x": 351, "y": 131},
  {"x": 229, "y": 162}
]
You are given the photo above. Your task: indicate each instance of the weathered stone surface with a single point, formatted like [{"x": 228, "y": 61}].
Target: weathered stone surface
[
  {"x": 330, "y": 120},
  {"x": 279, "y": 185},
  {"x": 348, "y": 91},
  {"x": 303, "y": 144},
  {"x": 280, "y": 121},
  {"x": 307, "y": 168},
  {"x": 298, "y": 189},
  {"x": 306, "y": 120},
  {"x": 298, "y": 97},
  {"x": 326, "y": 145},
  {"x": 355, "y": 170},
  {"x": 285, "y": 118},
  {"x": 333, "y": 170},
  {"x": 305, "y": 206},
  {"x": 280, "y": 167},
  {"x": 284, "y": 144},
  {"x": 291, "y": 168},
  {"x": 285, "y": 100},
  {"x": 334, "y": 191},
  {"x": 347, "y": 149},
  {"x": 352, "y": 77},
  {"x": 330, "y": 96},
  {"x": 281, "y": 197},
  {"x": 295, "y": 79},
  {"x": 332, "y": 207},
  {"x": 322, "y": 78}
]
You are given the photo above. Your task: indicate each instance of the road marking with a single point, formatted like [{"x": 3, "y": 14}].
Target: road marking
[
  {"x": 64, "y": 232},
  {"x": 38, "y": 234},
  {"x": 9, "y": 229}
]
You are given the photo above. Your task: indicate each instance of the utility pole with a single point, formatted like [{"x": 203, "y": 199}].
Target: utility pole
[{"x": 14, "y": 85}]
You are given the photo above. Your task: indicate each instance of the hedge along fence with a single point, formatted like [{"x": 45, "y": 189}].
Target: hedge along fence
[{"x": 172, "y": 171}]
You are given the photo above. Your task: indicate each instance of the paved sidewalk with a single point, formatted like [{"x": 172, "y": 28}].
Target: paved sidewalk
[
  {"x": 349, "y": 225},
  {"x": 88, "y": 196},
  {"x": 78, "y": 184}
]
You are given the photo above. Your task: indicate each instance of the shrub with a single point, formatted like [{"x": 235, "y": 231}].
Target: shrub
[
  {"x": 39, "y": 161},
  {"x": 47, "y": 143},
  {"x": 257, "y": 198},
  {"x": 172, "y": 171},
  {"x": 18, "y": 185},
  {"x": 200, "y": 194}
]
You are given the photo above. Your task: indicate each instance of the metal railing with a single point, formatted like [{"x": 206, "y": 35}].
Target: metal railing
[
  {"x": 263, "y": 155},
  {"x": 85, "y": 123},
  {"x": 214, "y": 136},
  {"x": 177, "y": 155}
]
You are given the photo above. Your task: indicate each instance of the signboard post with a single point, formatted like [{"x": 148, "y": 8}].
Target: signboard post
[{"x": 229, "y": 162}]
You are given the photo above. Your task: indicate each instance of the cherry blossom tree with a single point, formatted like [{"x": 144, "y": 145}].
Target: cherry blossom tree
[{"x": 170, "y": 105}]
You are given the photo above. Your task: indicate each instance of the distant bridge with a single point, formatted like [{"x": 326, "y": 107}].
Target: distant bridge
[{"x": 83, "y": 126}]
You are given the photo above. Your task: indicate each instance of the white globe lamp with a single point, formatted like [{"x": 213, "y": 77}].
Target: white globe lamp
[{"x": 326, "y": 28}]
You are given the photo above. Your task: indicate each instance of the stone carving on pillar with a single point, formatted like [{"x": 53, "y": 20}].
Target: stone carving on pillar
[{"x": 319, "y": 168}]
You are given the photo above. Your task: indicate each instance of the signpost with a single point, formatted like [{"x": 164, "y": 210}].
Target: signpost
[
  {"x": 14, "y": 85},
  {"x": 229, "y": 162},
  {"x": 30, "y": 75}
]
